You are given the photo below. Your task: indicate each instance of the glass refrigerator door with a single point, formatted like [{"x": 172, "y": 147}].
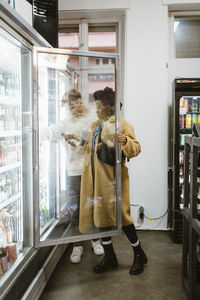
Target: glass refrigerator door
[
  {"x": 72, "y": 201},
  {"x": 189, "y": 114},
  {"x": 15, "y": 150}
]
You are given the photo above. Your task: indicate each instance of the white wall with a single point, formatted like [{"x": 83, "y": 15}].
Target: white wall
[
  {"x": 24, "y": 8},
  {"x": 146, "y": 98},
  {"x": 146, "y": 105}
]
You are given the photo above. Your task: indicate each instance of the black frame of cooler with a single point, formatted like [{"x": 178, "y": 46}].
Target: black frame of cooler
[
  {"x": 191, "y": 220},
  {"x": 183, "y": 87}
]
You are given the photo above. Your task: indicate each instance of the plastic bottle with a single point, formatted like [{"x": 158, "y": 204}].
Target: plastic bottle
[
  {"x": 189, "y": 121},
  {"x": 3, "y": 240},
  {"x": 3, "y": 259},
  {"x": 7, "y": 225},
  {"x": 182, "y": 198},
  {"x": 12, "y": 252}
]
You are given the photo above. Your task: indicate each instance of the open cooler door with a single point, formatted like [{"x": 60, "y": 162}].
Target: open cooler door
[{"x": 67, "y": 205}]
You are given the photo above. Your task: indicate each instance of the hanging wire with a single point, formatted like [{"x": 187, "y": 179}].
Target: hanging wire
[{"x": 158, "y": 217}]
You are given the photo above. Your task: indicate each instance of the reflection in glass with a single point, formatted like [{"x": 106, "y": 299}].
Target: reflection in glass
[{"x": 66, "y": 124}]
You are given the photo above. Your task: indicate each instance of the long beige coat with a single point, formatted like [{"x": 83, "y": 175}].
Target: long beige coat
[{"x": 98, "y": 194}]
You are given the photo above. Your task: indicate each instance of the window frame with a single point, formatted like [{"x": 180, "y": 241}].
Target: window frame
[
  {"x": 84, "y": 23},
  {"x": 172, "y": 37}
]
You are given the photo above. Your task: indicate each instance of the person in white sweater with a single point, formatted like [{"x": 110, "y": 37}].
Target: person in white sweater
[{"x": 76, "y": 122}]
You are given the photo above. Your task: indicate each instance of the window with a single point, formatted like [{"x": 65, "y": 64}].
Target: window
[
  {"x": 69, "y": 37},
  {"x": 97, "y": 73},
  {"x": 187, "y": 37}
]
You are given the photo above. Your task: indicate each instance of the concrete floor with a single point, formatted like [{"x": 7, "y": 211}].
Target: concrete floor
[{"x": 161, "y": 279}]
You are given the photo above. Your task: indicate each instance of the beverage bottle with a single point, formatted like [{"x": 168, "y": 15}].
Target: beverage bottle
[
  {"x": 181, "y": 177},
  {"x": 181, "y": 121},
  {"x": 1, "y": 154},
  {"x": 189, "y": 121},
  {"x": 3, "y": 259},
  {"x": 182, "y": 106},
  {"x": 2, "y": 88},
  {"x": 3, "y": 240},
  {"x": 182, "y": 198},
  {"x": 186, "y": 104},
  {"x": 198, "y": 198},
  {"x": 194, "y": 105},
  {"x": 12, "y": 252},
  {"x": 73, "y": 140},
  {"x": 9, "y": 186},
  {"x": 2, "y": 118},
  {"x": 194, "y": 119},
  {"x": 14, "y": 224},
  {"x": 198, "y": 194},
  {"x": 7, "y": 225},
  {"x": 181, "y": 157}
]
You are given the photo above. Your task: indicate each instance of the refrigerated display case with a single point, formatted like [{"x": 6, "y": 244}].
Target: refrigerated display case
[
  {"x": 186, "y": 113},
  {"x": 35, "y": 202},
  {"x": 15, "y": 143}
]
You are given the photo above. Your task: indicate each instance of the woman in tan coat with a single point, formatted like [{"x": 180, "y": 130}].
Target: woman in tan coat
[{"x": 98, "y": 185}]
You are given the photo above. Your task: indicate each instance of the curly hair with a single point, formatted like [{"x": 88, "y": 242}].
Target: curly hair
[{"x": 106, "y": 96}]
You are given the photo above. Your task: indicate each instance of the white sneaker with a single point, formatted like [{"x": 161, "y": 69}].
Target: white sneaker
[
  {"x": 97, "y": 247},
  {"x": 76, "y": 255}
]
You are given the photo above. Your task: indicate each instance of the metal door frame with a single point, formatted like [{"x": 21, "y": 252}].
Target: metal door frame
[{"x": 36, "y": 210}]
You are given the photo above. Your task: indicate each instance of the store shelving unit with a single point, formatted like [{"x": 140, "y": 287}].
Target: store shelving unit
[
  {"x": 191, "y": 221},
  {"x": 186, "y": 113}
]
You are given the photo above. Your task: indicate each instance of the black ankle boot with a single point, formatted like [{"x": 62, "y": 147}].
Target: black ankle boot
[
  {"x": 108, "y": 262},
  {"x": 140, "y": 260}
]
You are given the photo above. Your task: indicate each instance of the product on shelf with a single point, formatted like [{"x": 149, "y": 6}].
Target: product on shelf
[
  {"x": 12, "y": 252},
  {"x": 181, "y": 157},
  {"x": 182, "y": 121},
  {"x": 10, "y": 150},
  {"x": 8, "y": 249},
  {"x": 8, "y": 84},
  {"x": 7, "y": 225},
  {"x": 9, "y": 184},
  {"x": 182, "y": 197},
  {"x": 3, "y": 240},
  {"x": 189, "y": 121},
  {"x": 3, "y": 259},
  {"x": 181, "y": 177},
  {"x": 9, "y": 118},
  {"x": 194, "y": 119},
  {"x": 195, "y": 105}
]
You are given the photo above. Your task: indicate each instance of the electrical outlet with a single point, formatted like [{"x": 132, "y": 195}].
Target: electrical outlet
[{"x": 141, "y": 212}]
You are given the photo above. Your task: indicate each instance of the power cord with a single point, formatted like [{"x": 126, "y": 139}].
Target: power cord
[{"x": 157, "y": 217}]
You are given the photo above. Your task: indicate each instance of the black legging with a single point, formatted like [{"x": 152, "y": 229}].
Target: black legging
[{"x": 130, "y": 233}]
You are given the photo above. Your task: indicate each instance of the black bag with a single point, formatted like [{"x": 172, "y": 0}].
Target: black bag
[{"x": 106, "y": 154}]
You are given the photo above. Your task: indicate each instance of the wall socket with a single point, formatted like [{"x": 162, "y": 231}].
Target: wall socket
[{"x": 141, "y": 212}]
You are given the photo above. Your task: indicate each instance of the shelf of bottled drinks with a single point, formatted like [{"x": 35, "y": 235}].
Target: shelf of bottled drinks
[
  {"x": 10, "y": 164},
  {"x": 189, "y": 114}
]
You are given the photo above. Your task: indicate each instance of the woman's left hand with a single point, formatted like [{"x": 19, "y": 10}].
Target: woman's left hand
[{"x": 122, "y": 139}]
